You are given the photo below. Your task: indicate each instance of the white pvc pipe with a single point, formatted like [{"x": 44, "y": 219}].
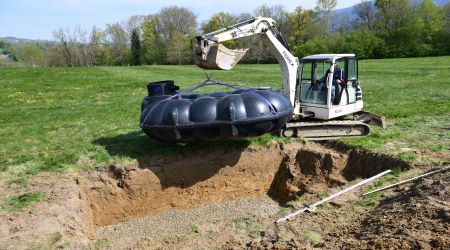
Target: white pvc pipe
[
  {"x": 401, "y": 182},
  {"x": 333, "y": 196}
]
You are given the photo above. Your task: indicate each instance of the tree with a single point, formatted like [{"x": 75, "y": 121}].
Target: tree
[
  {"x": 98, "y": 47},
  {"x": 179, "y": 49},
  {"x": 341, "y": 24},
  {"x": 63, "y": 47},
  {"x": 118, "y": 39},
  {"x": 364, "y": 43},
  {"x": 325, "y": 6},
  {"x": 159, "y": 29},
  {"x": 32, "y": 54},
  {"x": 365, "y": 14},
  {"x": 135, "y": 47},
  {"x": 244, "y": 16},
  {"x": 431, "y": 17},
  {"x": 73, "y": 47},
  {"x": 154, "y": 47},
  {"x": 300, "y": 21},
  {"x": 174, "y": 18},
  {"x": 323, "y": 13},
  {"x": 260, "y": 51},
  {"x": 7, "y": 49},
  {"x": 218, "y": 21},
  {"x": 442, "y": 45},
  {"x": 397, "y": 24},
  {"x": 446, "y": 13},
  {"x": 431, "y": 24},
  {"x": 314, "y": 46},
  {"x": 66, "y": 47},
  {"x": 391, "y": 15},
  {"x": 276, "y": 12},
  {"x": 83, "y": 57},
  {"x": 135, "y": 22}
]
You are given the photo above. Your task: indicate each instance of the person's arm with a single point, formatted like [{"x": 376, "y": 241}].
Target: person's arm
[
  {"x": 324, "y": 77},
  {"x": 340, "y": 76}
]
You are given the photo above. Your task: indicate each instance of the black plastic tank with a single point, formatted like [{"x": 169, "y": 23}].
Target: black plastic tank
[{"x": 173, "y": 117}]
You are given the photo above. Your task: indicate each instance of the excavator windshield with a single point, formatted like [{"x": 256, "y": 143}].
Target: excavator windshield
[{"x": 313, "y": 88}]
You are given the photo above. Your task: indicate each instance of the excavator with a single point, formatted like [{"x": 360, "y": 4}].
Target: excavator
[{"x": 323, "y": 89}]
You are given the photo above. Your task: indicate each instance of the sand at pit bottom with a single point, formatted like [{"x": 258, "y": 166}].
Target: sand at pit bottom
[{"x": 212, "y": 217}]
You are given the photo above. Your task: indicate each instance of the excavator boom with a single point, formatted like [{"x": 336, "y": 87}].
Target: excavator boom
[{"x": 210, "y": 54}]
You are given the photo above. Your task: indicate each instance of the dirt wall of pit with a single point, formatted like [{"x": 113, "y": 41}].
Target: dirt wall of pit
[{"x": 182, "y": 182}]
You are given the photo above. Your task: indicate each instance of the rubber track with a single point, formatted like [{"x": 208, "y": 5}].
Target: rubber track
[{"x": 331, "y": 129}]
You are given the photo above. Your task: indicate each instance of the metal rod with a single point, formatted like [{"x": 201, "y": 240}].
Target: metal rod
[
  {"x": 332, "y": 196},
  {"x": 408, "y": 180}
]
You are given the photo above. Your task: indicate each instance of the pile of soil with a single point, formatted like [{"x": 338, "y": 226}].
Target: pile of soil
[
  {"x": 63, "y": 214},
  {"x": 416, "y": 216}
]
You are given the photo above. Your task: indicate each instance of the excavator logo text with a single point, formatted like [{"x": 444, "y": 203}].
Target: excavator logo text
[{"x": 286, "y": 56}]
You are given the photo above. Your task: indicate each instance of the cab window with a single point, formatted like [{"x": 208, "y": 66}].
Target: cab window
[
  {"x": 352, "y": 69},
  {"x": 311, "y": 90}
]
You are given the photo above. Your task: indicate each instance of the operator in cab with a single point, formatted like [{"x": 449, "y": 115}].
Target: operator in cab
[{"x": 338, "y": 78}]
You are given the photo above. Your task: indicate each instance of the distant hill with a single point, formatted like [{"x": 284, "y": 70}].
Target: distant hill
[
  {"x": 15, "y": 40},
  {"x": 441, "y": 2},
  {"x": 437, "y": 2},
  {"x": 349, "y": 12}
]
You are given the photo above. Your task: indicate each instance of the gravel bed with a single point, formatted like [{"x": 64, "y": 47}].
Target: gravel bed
[{"x": 183, "y": 222}]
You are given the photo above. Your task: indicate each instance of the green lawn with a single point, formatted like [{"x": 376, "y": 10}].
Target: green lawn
[
  {"x": 59, "y": 119},
  {"x": 414, "y": 95}
]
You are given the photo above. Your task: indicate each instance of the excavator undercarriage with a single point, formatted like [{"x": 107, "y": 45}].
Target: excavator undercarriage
[{"x": 356, "y": 125}]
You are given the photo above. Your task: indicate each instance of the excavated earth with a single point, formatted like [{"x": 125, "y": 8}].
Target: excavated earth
[
  {"x": 81, "y": 208},
  {"x": 422, "y": 217},
  {"x": 115, "y": 195}
]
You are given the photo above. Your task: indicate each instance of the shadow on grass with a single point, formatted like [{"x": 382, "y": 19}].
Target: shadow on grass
[{"x": 175, "y": 164}]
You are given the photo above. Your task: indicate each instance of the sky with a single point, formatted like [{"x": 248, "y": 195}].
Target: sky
[{"x": 37, "y": 19}]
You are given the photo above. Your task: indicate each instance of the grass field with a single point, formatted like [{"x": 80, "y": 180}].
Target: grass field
[{"x": 71, "y": 119}]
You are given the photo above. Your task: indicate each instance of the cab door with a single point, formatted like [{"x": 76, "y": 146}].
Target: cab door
[
  {"x": 351, "y": 83},
  {"x": 312, "y": 91}
]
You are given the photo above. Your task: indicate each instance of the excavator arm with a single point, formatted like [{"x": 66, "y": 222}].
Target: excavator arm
[{"x": 210, "y": 54}]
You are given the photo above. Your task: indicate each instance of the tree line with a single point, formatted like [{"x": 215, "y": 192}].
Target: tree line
[{"x": 376, "y": 29}]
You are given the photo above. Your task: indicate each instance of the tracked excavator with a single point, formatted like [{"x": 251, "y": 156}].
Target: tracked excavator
[
  {"x": 321, "y": 96},
  {"x": 326, "y": 104}
]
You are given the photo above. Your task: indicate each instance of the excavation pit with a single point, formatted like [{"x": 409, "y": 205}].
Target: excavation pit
[{"x": 280, "y": 170}]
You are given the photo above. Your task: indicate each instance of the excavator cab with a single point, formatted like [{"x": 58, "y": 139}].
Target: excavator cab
[{"x": 329, "y": 85}]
